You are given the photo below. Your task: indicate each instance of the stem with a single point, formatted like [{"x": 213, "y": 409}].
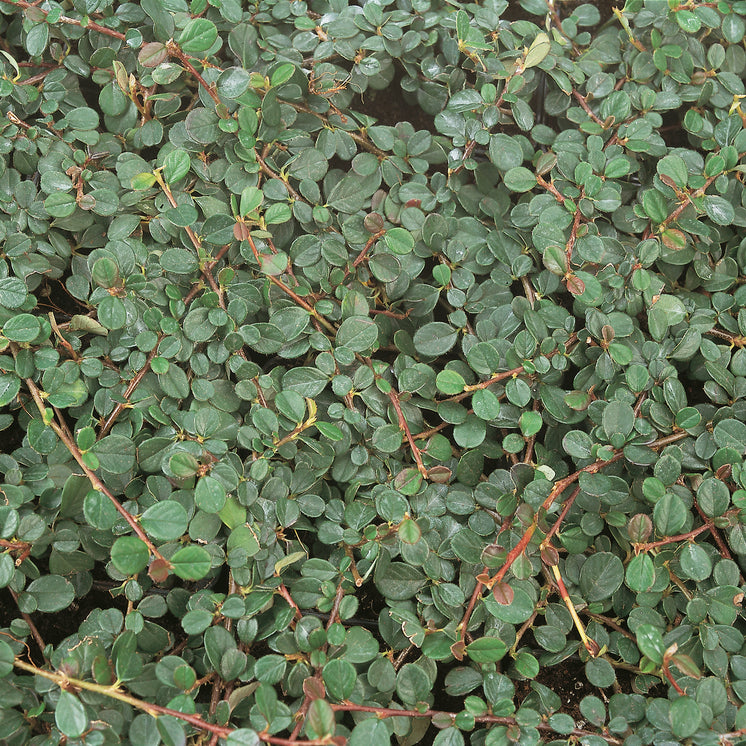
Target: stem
[
  {"x": 175, "y": 51},
  {"x": 34, "y": 631},
  {"x": 667, "y": 673},
  {"x": 222, "y": 731},
  {"x": 274, "y": 175},
  {"x": 92, "y": 478},
  {"x": 285, "y": 593},
  {"x": 66, "y": 19},
  {"x": 699, "y": 193},
  {"x": 557, "y": 490},
  {"x": 385, "y": 712},
  {"x": 133, "y": 384},
  {"x": 394, "y": 398},
  {"x": 288, "y": 291},
  {"x": 590, "y": 645},
  {"x": 647, "y": 546},
  {"x": 360, "y": 258},
  {"x": 541, "y": 181},
  {"x": 587, "y": 109}
]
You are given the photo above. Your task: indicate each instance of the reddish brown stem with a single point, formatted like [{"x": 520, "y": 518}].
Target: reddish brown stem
[
  {"x": 667, "y": 673},
  {"x": 688, "y": 198},
  {"x": 285, "y": 593},
  {"x": 541, "y": 181},
  {"x": 385, "y": 712},
  {"x": 563, "y": 513},
  {"x": 67, "y": 20},
  {"x": 587, "y": 109},
  {"x": 647, "y": 546},
  {"x": 175, "y": 51},
  {"x": 274, "y": 175},
  {"x": 133, "y": 384},
  {"x": 96, "y": 483},
  {"x": 360, "y": 258},
  {"x": 470, "y": 608},
  {"x": 394, "y": 398},
  {"x": 34, "y": 631}
]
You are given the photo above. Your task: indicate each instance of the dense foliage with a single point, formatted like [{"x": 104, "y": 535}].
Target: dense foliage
[{"x": 372, "y": 372}]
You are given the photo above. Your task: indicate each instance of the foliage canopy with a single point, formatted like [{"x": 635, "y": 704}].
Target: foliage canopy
[{"x": 329, "y": 422}]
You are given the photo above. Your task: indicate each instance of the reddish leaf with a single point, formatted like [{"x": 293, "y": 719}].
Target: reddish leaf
[
  {"x": 458, "y": 649},
  {"x": 549, "y": 555},
  {"x": 158, "y": 570},
  {"x": 575, "y": 285},
  {"x": 503, "y": 594},
  {"x": 152, "y": 54},
  {"x": 674, "y": 239}
]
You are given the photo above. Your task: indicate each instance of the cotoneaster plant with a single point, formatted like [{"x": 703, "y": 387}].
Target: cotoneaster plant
[{"x": 372, "y": 373}]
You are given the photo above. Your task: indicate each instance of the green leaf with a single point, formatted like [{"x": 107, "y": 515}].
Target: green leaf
[
  {"x": 688, "y": 21},
  {"x": 538, "y": 50},
  {"x": 209, "y": 495},
  {"x": 320, "y": 722},
  {"x": 695, "y": 562},
  {"x": 674, "y": 167},
  {"x": 165, "y": 521},
  {"x": 618, "y": 417},
  {"x": 730, "y": 433},
  {"x": 13, "y": 292},
  {"x": 52, "y": 593},
  {"x": 198, "y": 36},
  {"x": 669, "y": 515},
  {"x": 450, "y": 382},
  {"x": 518, "y": 392},
  {"x": 70, "y": 716},
  {"x": 251, "y": 198},
  {"x": 485, "y": 404},
  {"x": 718, "y": 209},
  {"x": 369, "y": 732},
  {"x": 82, "y": 118},
  {"x": 640, "y": 573},
  {"x": 277, "y": 213},
  {"x": 130, "y": 555},
  {"x": 176, "y": 166},
  {"x": 399, "y": 240},
  {"x": 139, "y": 183},
  {"x": 22, "y": 327},
  {"x": 282, "y": 74},
  {"x": 191, "y": 562},
  {"x": 519, "y": 179},
  {"x": 243, "y": 737},
  {"x": 10, "y": 385},
  {"x": 486, "y": 650},
  {"x": 577, "y": 444},
  {"x": 685, "y": 716},
  {"x": 339, "y": 678},
  {"x": 434, "y": 339},
  {"x": 115, "y": 453},
  {"x": 6, "y": 659},
  {"x": 463, "y": 27},
  {"x": 601, "y": 576},
  {"x": 655, "y": 205}
]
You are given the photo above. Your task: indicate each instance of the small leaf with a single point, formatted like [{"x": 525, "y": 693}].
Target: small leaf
[
  {"x": 650, "y": 642},
  {"x": 320, "y": 722},
  {"x": 538, "y": 50},
  {"x": 399, "y": 240},
  {"x": 519, "y": 179},
  {"x": 176, "y": 166},
  {"x": 130, "y": 555},
  {"x": 191, "y": 562},
  {"x": 198, "y": 36},
  {"x": 69, "y": 715}
]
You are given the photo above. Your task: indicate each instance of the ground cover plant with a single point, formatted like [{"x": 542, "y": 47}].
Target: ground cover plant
[{"x": 372, "y": 373}]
